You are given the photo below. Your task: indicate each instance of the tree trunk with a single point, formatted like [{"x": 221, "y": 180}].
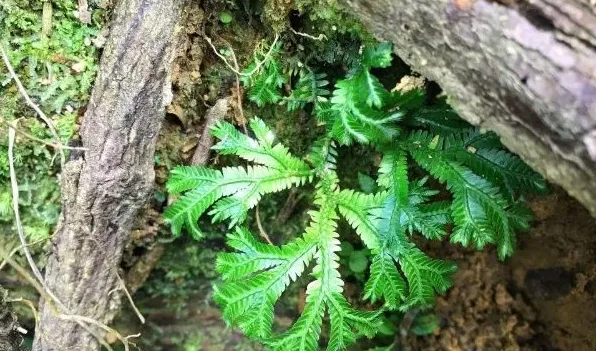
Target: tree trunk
[
  {"x": 104, "y": 189},
  {"x": 523, "y": 68}
]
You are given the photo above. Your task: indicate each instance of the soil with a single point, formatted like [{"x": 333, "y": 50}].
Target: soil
[{"x": 543, "y": 298}]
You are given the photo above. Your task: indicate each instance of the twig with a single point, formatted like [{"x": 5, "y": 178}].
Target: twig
[
  {"x": 46, "y": 19},
  {"x": 83, "y": 10},
  {"x": 404, "y": 328},
  {"x": 16, "y": 249},
  {"x": 239, "y": 95},
  {"x": 15, "y": 205},
  {"x": 262, "y": 231},
  {"x": 235, "y": 70},
  {"x": 132, "y": 303},
  {"x": 30, "y": 305},
  {"x": 34, "y": 138},
  {"x": 319, "y": 37},
  {"x": 30, "y": 102}
]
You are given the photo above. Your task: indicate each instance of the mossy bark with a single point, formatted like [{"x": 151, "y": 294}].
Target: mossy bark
[
  {"x": 523, "y": 68},
  {"x": 104, "y": 189}
]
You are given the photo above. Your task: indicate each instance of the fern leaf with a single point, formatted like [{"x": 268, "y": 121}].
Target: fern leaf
[
  {"x": 393, "y": 174},
  {"x": 478, "y": 209},
  {"x": 255, "y": 278},
  {"x": 265, "y": 84},
  {"x": 439, "y": 120},
  {"x": 187, "y": 210},
  {"x": 183, "y": 178},
  {"x": 355, "y": 120},
  {"x": 370, "y": 87},
  {"x": 310, "y": 88},
  {"x": 430, "y": 220},
  {"x": 425, "y": 276},
  {"x": 502, "y": 168},
  {"x": 385, "y": 282},
  {"x": 377, "y": 56},
  {"x": 346, "y": 322},
  {"x": 244, "y": 187},
  {"x": 357, "y": 209},
  {"x": 262, "y": 150}
]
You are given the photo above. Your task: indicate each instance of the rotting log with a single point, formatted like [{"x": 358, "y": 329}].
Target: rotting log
[
  {"x": 525, "y": 69},
  {"x": 104, "y": 189}
]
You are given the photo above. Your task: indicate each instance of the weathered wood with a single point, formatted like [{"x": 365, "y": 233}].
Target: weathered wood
[
  {"x": 526, "y": 70},
  {"x": 103, "y": 192}
]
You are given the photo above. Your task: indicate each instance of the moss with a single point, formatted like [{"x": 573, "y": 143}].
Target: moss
[
  {"x": 275, "y": 13},
  {"x": 329, "y": 16}
]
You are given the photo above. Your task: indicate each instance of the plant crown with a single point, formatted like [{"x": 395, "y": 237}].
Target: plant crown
[{"x": 484, "y": 181}]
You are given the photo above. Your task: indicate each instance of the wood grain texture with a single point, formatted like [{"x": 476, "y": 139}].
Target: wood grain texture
[
  {"x": 523, "y": 68},
  {"x": 103, "y": 191}
]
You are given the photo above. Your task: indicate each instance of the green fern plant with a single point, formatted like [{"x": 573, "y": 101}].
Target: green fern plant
[{"x": 484, "y": 180}]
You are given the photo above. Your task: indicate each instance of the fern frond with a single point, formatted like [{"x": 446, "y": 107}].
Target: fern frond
[
  {"x": 265, "y": 84},
  {"x": 183, "y": 178},
  {"x": 310, "y": 88},
  {"x": 502, "y": 168},
  {"x": 479, "y": 210},
  {"x": 430, "y": 220},
  {"x": 385, "y": 282},
  {"x": 255, "y": 277},
  {"x": 261, "y": 150},
  {"x": 439, "y": 120},
  {"x": 377, "y": 56},
  {"x": 323, "y": 155},
  {"x": 357, "y": 209},
  {"x": 243, "y": 186},
  {"x": 425, "y": 276},
  {"x": 370, "y": 87},
  {"x": 353, "y": 119},
  {"x": 408, "y": 101}
]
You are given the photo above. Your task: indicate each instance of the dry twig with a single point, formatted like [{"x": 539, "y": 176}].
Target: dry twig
[
  {"x": 34, "y": 138},
  {"x": 262, "y": 231},
  {"x": 132, "y": 303},
  {"x": 235, "y": 69},
  {"x": 319, "y": 37}
]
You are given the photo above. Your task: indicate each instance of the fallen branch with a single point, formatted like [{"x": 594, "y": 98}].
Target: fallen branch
[
  {"x": 214, "y": 115},
  {"x": 257, "y": 65}
]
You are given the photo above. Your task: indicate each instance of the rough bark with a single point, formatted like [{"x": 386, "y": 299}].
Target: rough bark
[
  {"x": 103, "y": 190},
  {"x": 526, "y": 70}
]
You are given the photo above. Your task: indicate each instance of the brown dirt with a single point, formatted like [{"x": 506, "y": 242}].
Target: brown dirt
[{"x": 543, "y": 298}]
